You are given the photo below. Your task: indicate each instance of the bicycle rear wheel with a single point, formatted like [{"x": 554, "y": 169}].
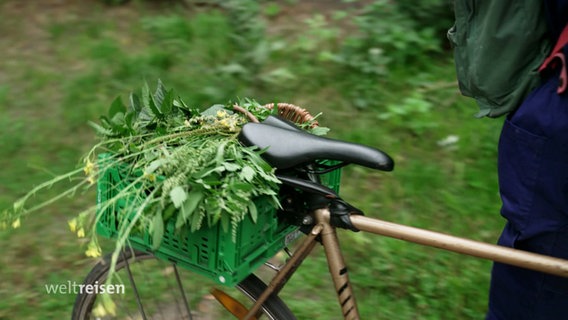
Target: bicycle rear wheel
[{"x": 156, "y": 289}]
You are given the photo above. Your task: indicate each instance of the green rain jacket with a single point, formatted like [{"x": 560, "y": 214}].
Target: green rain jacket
[{"x": 498, "y": 47}]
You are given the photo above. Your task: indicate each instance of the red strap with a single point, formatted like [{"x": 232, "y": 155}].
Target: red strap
[
  {"x": 563, "y": 78},
  {"x": 562, "y": 41}
]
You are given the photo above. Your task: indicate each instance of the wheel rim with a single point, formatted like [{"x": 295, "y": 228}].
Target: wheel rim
[{"x": 175, "y": 300}]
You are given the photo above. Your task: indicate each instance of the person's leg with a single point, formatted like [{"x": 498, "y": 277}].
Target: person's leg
[
  {"x": 533, "y": 181},
  {"x": 518, "y": 294}
]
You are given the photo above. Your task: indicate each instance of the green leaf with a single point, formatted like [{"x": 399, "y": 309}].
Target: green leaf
[
  {"x": 149, "y": 108},
  {"x": 247, "y": 173},
  {"x": 154, "y": 165},
  {"x": 242, "y": 187},
  {"x": 135, "y": 103},
  {"x": 105, "y": 122},
  {"x": 116, "y": 107},
  {"x": 231, "y": 167},
  {"x": 167, "y": 103},
  {"x": 187, "y": 111},
  {"x": 253, "y": 211},
  {"x": 155, "y": 107},
  {"x": 319, "y": 131},
  {"x": 115, "y": 125},
  {"x": 193, "y": 200},
  {"x": 207, "y": 175},
  {"x": 146, "y": 96},
  {"x": 219, "y": 156},
  {"x": 178, "y": 196},
  {"x": 160, "y": 93},
  {"x": 130, "y": 120},
  {"x": 169, "y": 212},
  {"x": 118, "y": 121},
  {"x": 100, "y": 129},
  {"x": 157, "y": 230}
]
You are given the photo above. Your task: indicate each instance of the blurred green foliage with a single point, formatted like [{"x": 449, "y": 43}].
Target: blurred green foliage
[
  {"x": 378, "y": 71},
  {"x": 437, "y": 15}
]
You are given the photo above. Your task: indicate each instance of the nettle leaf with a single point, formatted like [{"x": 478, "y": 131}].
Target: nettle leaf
[
  {"x": 168, "y": 102},
  {"x": 133, "y": 112},
  {"x": 118, "y": 121},
  {"x": 116, "y": 124},
  {"x": 157, "y": 230},
  {"x": 149, "y": 110},
  {"x": 130, "y": 120},
  {"x": 178, "y": 196},
  {"x": 160, "y": 93},
  {"x": 135, "y": 103},
  {"x": 187, "y": 111},
  {"x": 100, "y": 129},
  {"x": 105, "y": 122},
  {"x": 154, "y": 106},
  {"x": 146, "y": 96}
]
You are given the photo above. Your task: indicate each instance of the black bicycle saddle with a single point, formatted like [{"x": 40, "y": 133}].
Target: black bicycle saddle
[{"x": 288, "y": 148}]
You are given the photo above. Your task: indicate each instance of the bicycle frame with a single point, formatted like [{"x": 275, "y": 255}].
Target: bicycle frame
[{"x": 327, "y": 233}]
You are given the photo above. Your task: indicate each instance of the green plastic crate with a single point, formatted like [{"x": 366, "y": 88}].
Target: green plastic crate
[
  {"x": 331, "y": 179},
  {"x": 210, "y": 252}
]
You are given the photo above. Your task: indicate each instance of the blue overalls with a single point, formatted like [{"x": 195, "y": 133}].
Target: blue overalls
[{"x": 533, "y": 181}]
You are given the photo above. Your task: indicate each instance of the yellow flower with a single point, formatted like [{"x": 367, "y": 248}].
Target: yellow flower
[
  {"x": 81, "y": 233},
  {"x": 72, "y": 225},
  {"x": 91, "y": 180},
  {"x": 221, "y": 113},
  {"x": 100, "y": 311},
  {"x": 89, "y": 167},
  {"x": 16, "y": 223},
  {"x": 110, "y": 306},
  {"x": 229, "y": 123},
  {"x": 93, "y": 250},
  {"x": 105, "y": 307},
  {"x": 150, "y": 176},
  {"x": 19, "y": 205}
]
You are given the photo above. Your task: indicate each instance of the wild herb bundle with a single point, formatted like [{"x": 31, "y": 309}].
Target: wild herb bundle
[
  {"x": 184, "y": 165},
  {"x": 180, "y": 166}
]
